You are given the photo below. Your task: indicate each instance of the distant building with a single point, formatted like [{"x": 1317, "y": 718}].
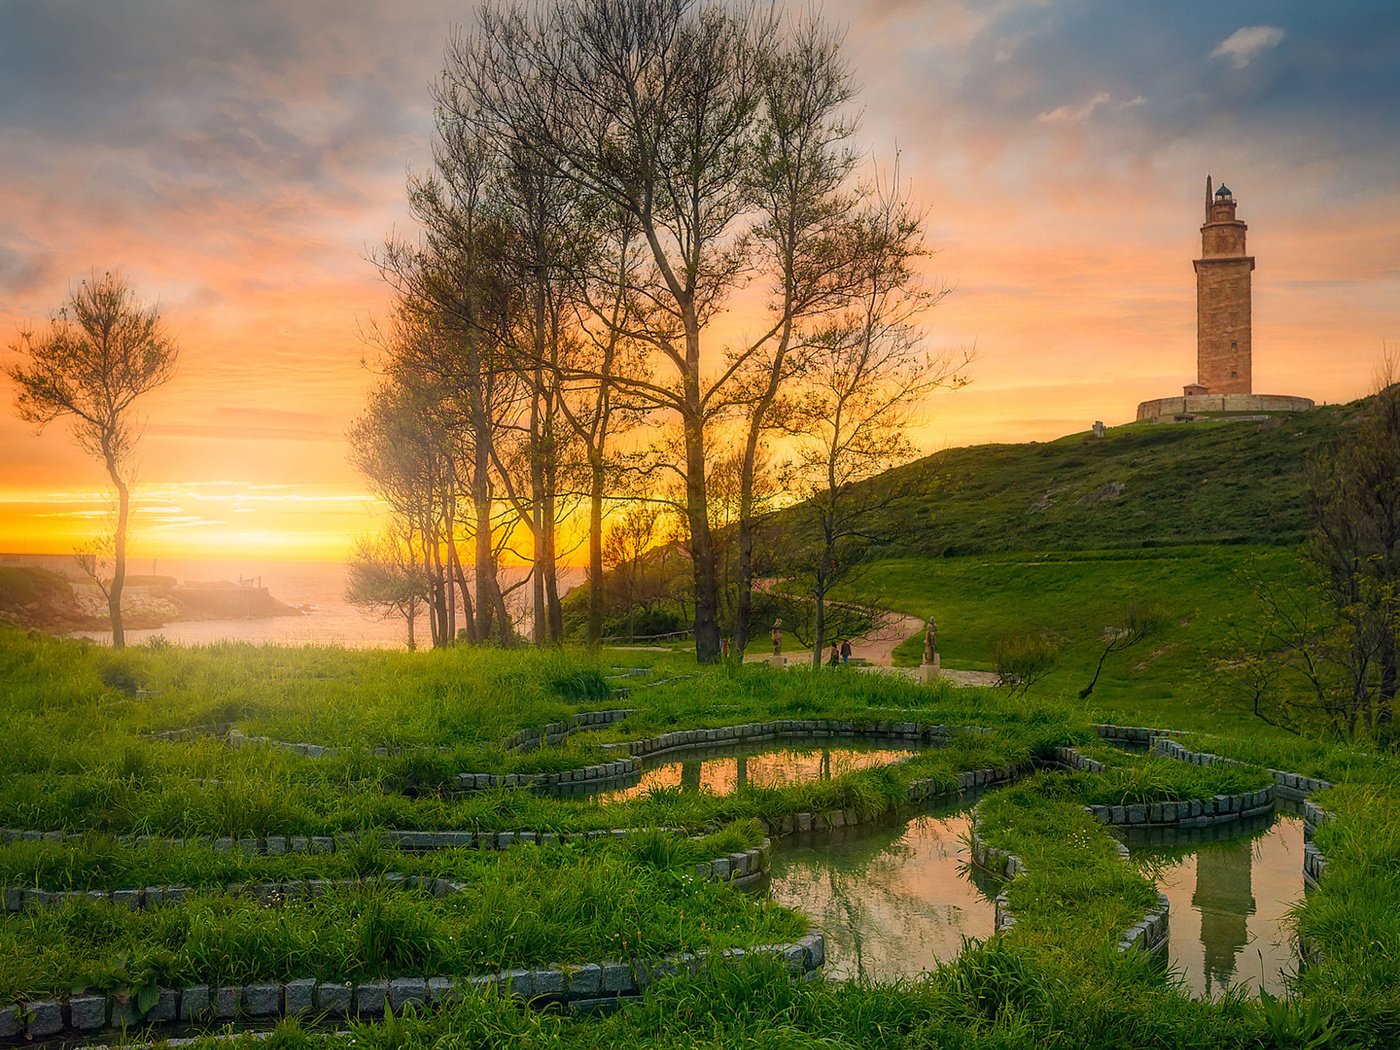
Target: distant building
[{"x": 1224, "y": 348}]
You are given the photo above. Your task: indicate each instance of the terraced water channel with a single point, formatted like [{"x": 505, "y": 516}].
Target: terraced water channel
[
  {"x": 898, "y": 898},
  {"x": 729, "y": 768},
  {"x": 1231, "y": 888},
  {"x": 895, "y": 899}
]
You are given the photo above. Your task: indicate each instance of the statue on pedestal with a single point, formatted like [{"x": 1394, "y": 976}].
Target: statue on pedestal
[{"x": 931, "y": 641}]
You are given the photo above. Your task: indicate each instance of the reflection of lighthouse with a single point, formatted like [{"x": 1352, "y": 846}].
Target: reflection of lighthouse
[{"x": 1225, "y": 898}]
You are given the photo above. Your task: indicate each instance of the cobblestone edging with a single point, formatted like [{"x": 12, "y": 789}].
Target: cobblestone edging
[
  {"x": 310, "y": 998},
  {"x": 555, "y": 732},
  {"x": 1149, "y": 935},
  {"x": 685, "y": 739},
  {"x": 740, "y": 869},
  {"x": 918, "y": 791},
  {"x": 1143, "y": 735},
  {"x": 819, "y": 728},
  {"x": 1195, "y": 813},
  {"x": 17, "y": 898},
  {"x": 1295, "y": 786}
]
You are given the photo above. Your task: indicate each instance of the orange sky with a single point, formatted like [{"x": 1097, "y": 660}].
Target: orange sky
[{"x": 239, "y": 166}]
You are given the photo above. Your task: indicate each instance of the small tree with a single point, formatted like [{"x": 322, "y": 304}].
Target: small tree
[
  {"x": 1022, "y": 660},
  {"x": 101, "y": 352},
  {"x": 386, "y": 575},
  {"x": 1136, "y": 623},
  {"x": 1354, "y": 498}
]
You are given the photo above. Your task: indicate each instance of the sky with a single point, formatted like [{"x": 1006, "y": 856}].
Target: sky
[{"x": 240, "y": 163}]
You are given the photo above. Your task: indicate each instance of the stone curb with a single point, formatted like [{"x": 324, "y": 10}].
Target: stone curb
[
  {"x": 1286, "y": 784},
  {"x": 524, "y": 739},
  {"x": 820, "y": 728},
  {"x": 1194, "y": 813},
  {"x": 1149, "y": 935},
  {"x": 918, "y": 791},
  {"x": 555, "y": 732},
  {"x": 309, "y": 997},
  {"x": 741, "y": 869}
]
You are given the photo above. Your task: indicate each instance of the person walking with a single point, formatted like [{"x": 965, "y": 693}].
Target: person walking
[
  {"x": 835, "y": 656},
  {"x": 846, "y": 652}
]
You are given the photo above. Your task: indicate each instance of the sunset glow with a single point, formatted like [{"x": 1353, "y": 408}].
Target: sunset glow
[{"x": 240, "y": 162}]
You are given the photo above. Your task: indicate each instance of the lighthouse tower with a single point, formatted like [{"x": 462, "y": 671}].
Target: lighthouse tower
[
  {"x": 1222, "y": 300},
  {"x": 1224, "y": 383}
]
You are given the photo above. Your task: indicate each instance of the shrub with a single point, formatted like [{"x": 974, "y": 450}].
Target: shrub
[{"x": 1021, "y": 660}]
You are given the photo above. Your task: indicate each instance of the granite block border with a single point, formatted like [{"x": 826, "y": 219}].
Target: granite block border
[
  {"x": 560, "y": 984},
  {"x": 1150, "y": 934},
  {"x": 1294, "y": 786},
  {"x": 740, "y": 869},
  {"x": 555, "y": 732},
  {"x": 1191, "y": 813},
  {"x": 783, "y": 729}
]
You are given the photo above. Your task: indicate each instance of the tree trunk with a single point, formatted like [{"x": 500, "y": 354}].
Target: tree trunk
[
  {"x": 456, "y": 561},
  {"x": 743, "y": 601},
  {"x": 486, "y": 599},
  {"x": 114, "y": 592},
  {"x": 702, "y": 546},
  {"x": 595, "y": 553},
  {"x": 410, "y": 616}
]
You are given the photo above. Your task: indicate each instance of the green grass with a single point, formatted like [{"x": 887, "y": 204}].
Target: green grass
[
  {"x": 1207, "y": 483},
  {"x": 1073, "y": 597},
  {"x": 78, "y": 759},
  {"x": 524, "y": 907}
]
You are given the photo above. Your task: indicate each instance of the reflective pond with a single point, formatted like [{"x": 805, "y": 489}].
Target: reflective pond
[
  {"x": 894, "y": 901},
  {"x": 1230, "y": 890},
  {"x": 768, "y": 764}
]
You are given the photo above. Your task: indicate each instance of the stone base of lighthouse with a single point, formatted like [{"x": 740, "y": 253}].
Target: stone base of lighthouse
[{"x": 1205, "y": 406}]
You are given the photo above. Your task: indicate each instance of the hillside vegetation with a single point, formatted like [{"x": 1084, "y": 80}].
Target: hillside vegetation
[
  {"x": 1140, "y": 485},
  {"x": 1058, "y": 539}
]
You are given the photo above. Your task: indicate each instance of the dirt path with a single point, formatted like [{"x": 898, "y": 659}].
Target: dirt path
[{"x": 877, "y": 646}]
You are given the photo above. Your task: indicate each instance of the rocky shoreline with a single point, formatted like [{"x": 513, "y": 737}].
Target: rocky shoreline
[{"x": 44, "y": 600}]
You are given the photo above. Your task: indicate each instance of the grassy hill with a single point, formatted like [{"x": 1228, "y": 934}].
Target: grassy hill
[
  {"x": 1058, "y": 538},
  {"x": 1140, "y": 485}
]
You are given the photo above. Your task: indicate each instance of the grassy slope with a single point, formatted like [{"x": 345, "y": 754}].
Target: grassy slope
[
  {"x": 1203, "y": 483},
  {"x": 1073, "y": 597},
  {"x": 1039, "y": 538}
]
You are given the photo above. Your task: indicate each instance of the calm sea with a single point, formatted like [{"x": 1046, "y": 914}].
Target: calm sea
[{"x": 318, "y": 588}]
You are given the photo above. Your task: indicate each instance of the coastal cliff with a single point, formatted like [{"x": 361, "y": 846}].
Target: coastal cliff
[{"x": 49, "y": 601}]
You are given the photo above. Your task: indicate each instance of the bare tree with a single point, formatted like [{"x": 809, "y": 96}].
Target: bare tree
[
  {"x": 102, "y": 351},
  {"x": 387, "y": 575},
  {"x": 649, "y": 107},
  {"x": 1354, "y": 498},
  {"x": 865, "y": 372},
  {"x": 1135, "y": 624}
]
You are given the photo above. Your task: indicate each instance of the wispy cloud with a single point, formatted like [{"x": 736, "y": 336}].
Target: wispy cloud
[
  {"x": 1245, "y": 44},
  {"x": 1076, "y": 114}
]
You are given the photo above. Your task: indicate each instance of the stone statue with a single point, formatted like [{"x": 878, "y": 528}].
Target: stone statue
[
  {"x": 777, "y": 636},
  {"x": 931, "y": 641}
]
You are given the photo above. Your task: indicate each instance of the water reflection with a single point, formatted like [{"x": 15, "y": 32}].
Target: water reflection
[
  {"x": 722, "y": 771},
  {"x": 893, "y": 901},
  {"x": 1230, "y": 890}
]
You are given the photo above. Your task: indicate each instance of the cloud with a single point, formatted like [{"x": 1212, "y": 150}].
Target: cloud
[
  {"x": 1076, "y": 114},
  {"x": 1244, "y": 44}
]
